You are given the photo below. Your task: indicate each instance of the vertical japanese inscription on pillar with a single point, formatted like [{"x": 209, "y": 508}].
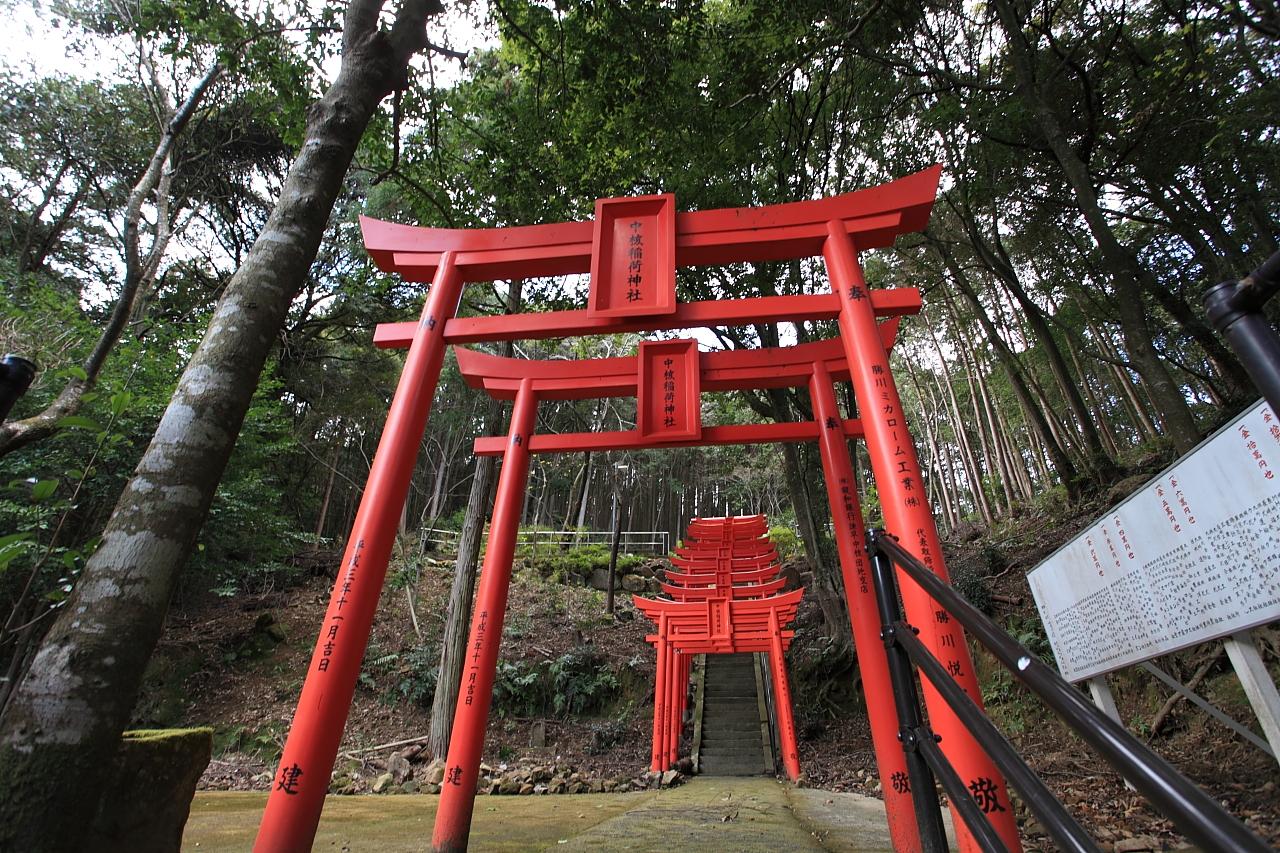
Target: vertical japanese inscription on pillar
[
  {"x": 336, "y": 617},
  {"x": 668, "y": 391},
  {"x": 633, "y": 257}
]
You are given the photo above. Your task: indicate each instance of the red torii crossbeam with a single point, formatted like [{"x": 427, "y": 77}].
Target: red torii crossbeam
[
  {"x": 629, "y": 248},
  {"x": 724, "y": 611}
]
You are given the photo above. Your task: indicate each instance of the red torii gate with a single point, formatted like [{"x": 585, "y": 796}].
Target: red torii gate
[
  {"x": 631, "y": 249},
  {"x": 721, "y": 611}
]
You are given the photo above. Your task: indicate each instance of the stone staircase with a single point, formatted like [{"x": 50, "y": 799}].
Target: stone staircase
[{"x": 730, "y": 739}]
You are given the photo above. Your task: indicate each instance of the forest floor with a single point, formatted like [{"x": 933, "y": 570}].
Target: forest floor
[{"x": 237, "y": 664}]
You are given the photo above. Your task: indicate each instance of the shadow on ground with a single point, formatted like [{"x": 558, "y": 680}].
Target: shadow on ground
[{"x": 738, "y": 814}]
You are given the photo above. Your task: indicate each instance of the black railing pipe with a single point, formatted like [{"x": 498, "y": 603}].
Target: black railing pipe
[
  {"x": 1057, "y": 822},
  {"x": 16, "y": 374},
  {"x": 924, "y": 796},
  {"x": 1201, "y": 819},
  {"x": 1235, "y": 310},
  {"x": 965, "y": 805}
]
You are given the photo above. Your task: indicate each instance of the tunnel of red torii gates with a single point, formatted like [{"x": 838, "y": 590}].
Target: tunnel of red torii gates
[
  {"x": 632, "y": 249},
  {"x": 728, "y": 599}
]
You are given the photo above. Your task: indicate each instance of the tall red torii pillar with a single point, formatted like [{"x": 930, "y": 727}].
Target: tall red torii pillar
[{"x": 633, "y": 290}]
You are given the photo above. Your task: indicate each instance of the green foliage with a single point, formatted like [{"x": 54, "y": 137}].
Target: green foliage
[
  {"x": 250, "y": 533},
  {"x": 1029, "y": 631},
  {"x": 786, "y": 541},
  {"x": 408, "y": 675},
  {"x": 580, "y": 681},
  {"x": 266, "y": 742},
  {"x": 578, "y": 562}
]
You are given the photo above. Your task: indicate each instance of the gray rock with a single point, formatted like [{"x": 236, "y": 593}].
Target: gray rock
[
  {"x": 382, "y": 783},
  {"x": 399, "y": 768},
  {"x": 434, "y": 773},
  {"x": 670, "y": 778}
]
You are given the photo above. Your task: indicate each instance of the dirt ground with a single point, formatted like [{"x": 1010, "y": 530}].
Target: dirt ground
[{"x": 742, "y": 815}]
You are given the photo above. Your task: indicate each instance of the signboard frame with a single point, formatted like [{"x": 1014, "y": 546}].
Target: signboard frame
[
  {"x": 633, "y": 257},
  {"x": 1112, "y": 551},
  {"x": 685, "y": 396}
]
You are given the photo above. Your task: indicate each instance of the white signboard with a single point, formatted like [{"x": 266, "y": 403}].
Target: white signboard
[{"x": 1191, "y": 556}]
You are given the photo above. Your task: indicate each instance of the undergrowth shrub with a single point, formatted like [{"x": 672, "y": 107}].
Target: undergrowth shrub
[
  {"x": 580, "y": 681},
  {"x": 407, "y": 676},
  {"x": 574, "y": 564},
  {"x": 785, "y": 541}
]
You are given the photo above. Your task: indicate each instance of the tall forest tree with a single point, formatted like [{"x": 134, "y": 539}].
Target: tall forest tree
[{"x": 76, "y": 697}]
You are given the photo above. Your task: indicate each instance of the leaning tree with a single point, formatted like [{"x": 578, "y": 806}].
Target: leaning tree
[{"x": 76, "y": 697}]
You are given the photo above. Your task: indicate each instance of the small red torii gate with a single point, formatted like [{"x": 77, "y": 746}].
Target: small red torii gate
[
  {"x": 723, "y": 605},
  {"x": 631, "y": 249}
]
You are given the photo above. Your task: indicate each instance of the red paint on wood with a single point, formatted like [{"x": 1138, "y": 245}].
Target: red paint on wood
[
  {"x": 633, "y": 257},
  {"x": 669, "y": 392},
  {"x": 568, "y": 442},
  {"x": 876, "y": 215},
  {"x": 894, "y": 302}
]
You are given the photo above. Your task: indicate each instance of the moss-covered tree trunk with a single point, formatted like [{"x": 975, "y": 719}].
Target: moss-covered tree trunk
[{"x": 63, "y": 723}]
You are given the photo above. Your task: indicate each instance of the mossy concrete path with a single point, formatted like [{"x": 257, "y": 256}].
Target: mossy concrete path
[{"x": 739, "y": 814}]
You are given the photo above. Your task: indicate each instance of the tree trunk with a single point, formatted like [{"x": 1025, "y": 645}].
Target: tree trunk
[
  {"x": 1142, "y": 423},
  {"x": 457, "y": 618},
  {"x": 614, "y": 542},
  {"x": 1105, "y": 431},
  {"x": 139, "y": 271},
  {"x": 973, "y": 473},
  {"x": 1128, "y": 277},
  {"x": 1061, "y": 463},
  {"x": 935, "y": 452},
  {"x": 1099, "y": 462},
  {"x": 83, "y": 682},
  {"x": 437, "y": 487},
  {"x": 323, "y": 515}
]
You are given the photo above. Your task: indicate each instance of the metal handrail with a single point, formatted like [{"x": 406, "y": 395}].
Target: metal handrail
[
  {"x": 656, "y": 542},
  {"x": 1197, "y": 815},
  {"x": 1235, "y": 310}
]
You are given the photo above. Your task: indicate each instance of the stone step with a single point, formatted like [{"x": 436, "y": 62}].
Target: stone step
[
  {"x": 712, "y": 725},
  {"x": 719, "y": 728},
  {"x": 734, "y": 741},
  {"x": 743, "y": 711},
  {"x": 717, "y": 767},
  {"x": 746, "y": 749},
  {"x": 736, "y": 720},
  {"x": 731, "y": 742}
]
